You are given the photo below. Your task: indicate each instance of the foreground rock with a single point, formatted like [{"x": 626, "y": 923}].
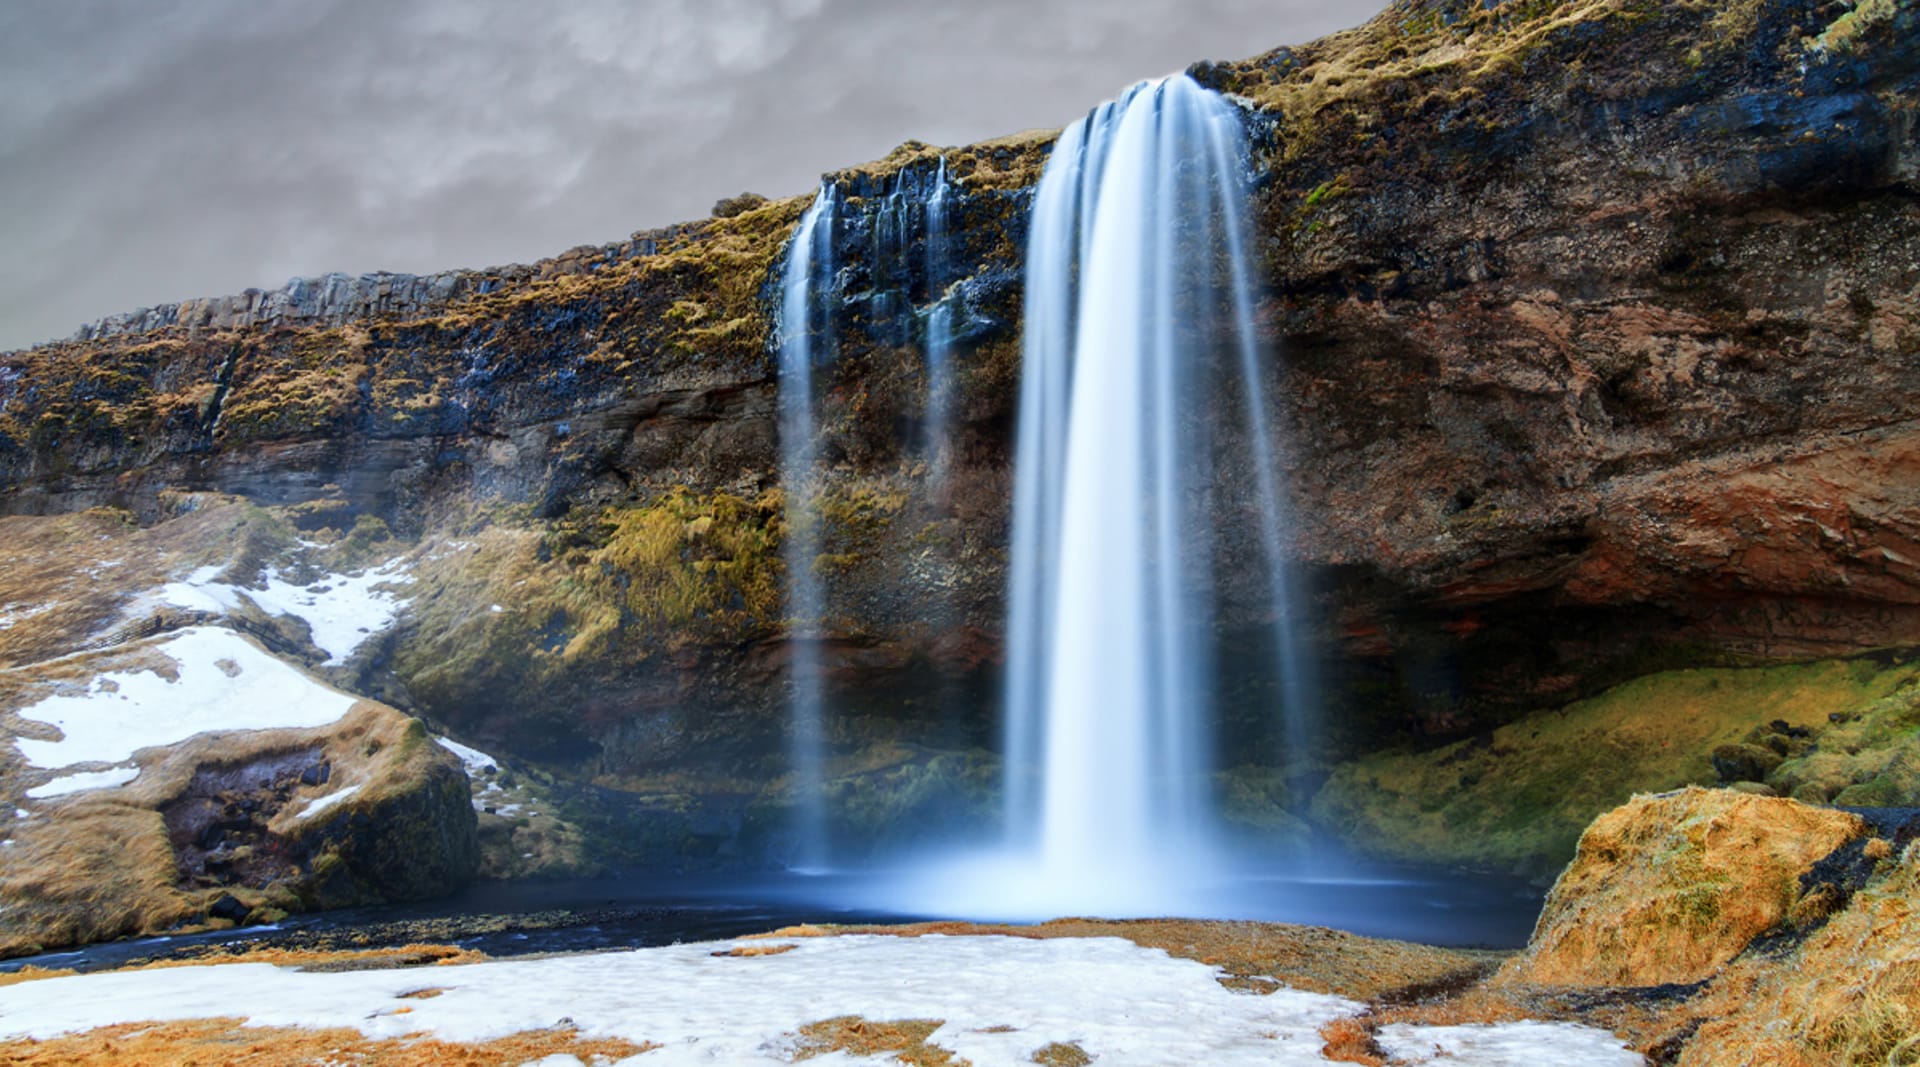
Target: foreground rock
[
  {"x": 241, "y": 826},
  {"x": 175, "y": 756},
  {"x": 1746, "y": 930},
  {"x": 1668, "y": 889}
]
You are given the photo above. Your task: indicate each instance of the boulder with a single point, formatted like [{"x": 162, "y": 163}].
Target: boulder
[
  {"x": 226, "y": 824},
  {"x": 1668, "y": 889}
]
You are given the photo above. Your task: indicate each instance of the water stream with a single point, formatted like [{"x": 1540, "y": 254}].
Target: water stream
[{"x": 806, "y": 341}]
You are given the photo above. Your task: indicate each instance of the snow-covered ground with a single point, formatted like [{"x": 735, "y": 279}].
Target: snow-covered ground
[
  {"x": 222, "y": 682},
  {"x": 342, "y": 610},
  {"x": 1527, "y": 1041},
  {"x": 1001, "y": 999},
  {"x": 110, "y": 778}
]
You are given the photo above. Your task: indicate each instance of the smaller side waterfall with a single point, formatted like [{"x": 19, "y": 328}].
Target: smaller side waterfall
[
  {"x": 806, "y": 340},
  {"x": 938, "y": 445}
]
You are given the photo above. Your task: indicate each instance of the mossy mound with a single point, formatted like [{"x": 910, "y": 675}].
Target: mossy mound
[
  {"x": 1714, "y": 929},
  {"x": 1869, "y": 758},
  {"x": 1669, "y": 888},
  {"x": 1517, "y": 799},
  {"x": 1850, "y": 993}
]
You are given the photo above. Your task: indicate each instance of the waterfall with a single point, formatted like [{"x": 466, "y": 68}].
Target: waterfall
[
  {"x": 1138, "y": 314},
  {"x": 938, "y": 446},
  {"x": 809, "y": 272}
]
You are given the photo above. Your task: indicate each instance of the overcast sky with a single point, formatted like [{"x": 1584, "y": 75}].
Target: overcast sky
[{"x": 154, "y": 150}]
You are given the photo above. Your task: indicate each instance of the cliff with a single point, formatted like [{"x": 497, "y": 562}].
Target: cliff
[{"x": 1594, "y": 320}]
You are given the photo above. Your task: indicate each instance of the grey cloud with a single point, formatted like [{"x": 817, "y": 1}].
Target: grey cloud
[{"x": 154, "y": 150}]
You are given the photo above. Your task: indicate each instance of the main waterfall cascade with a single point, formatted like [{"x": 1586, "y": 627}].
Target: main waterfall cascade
[
  {"x": 1139, "y": 334},
  {"x": 1142, "y": 423}
]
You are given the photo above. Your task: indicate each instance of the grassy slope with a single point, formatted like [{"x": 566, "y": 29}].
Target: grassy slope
[{"x": 1517, "y": 799}]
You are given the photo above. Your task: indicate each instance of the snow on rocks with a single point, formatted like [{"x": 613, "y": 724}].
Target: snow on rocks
[
  {"x": 476, "y": 761},
  {"x": 320, "y": 804},
  {"x": 111, "y": 778},
  {"x": 341, "y": 610},
  {"x": 1001, "y": 999},
  {"x": 222, "y": 682}
]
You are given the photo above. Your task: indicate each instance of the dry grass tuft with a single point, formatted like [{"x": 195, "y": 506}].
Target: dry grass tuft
[
  {"x": 33, "y": 974},
  {"x": 228, "y": 1041},
  {"x": 1061, "y": 1054},
  {"x": 751, "y": 951},
  {"x": 396, "y": 957},
  {"x": 1350, "y": 1040},
  {"x": 905, "y": 1038}
]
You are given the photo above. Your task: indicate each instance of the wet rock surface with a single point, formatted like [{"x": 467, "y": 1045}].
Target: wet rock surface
[{"x": 1593, "y": 326}]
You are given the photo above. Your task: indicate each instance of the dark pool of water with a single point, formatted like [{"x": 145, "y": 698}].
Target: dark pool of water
[{"x": 520, "y": 918}]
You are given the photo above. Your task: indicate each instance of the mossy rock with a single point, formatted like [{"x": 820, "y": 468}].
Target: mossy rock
[{"x": 1517, "y": 800}]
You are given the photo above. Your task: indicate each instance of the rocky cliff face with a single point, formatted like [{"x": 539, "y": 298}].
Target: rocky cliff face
[{"x": 1596, "y": 325}]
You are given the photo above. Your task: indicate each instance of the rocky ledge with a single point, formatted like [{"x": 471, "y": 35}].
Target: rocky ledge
[{"x": 1594, "y": 325}]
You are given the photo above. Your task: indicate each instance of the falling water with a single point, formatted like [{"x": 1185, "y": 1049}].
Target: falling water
[
  {"x": 809, "y": 270},
  {"x": 938, "y": 446},
  {"x": 1139, "y": 305}
]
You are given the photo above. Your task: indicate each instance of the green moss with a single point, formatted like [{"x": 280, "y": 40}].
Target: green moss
[
  {"x": 1518, "y": 798},
  {"x": 1845, "y": 32},
  {"x": 1257, "y": 800},
  {"x": 688, "y": 566},
  {"x": 308, "y": 382},
  {"x": 1871, "y": 759},
  {"x": 524, "y": 615},
  {"x": 915, "y": 795}
]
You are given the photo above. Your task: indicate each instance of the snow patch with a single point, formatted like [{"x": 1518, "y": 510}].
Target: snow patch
[
  {"x": 12, "y": 615},
  {"x": 1002, "y": 999},
  {"x": 476, "y": 761},
  {"x": 341, "y": 610},
  {"x": 124, "y": 711},
  {"x": 1521, "y": 1044},
  {"x": 320, "y": 804},
  {"x": 74, "y": 783}
]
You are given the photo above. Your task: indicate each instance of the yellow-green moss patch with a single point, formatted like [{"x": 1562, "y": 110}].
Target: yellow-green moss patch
[{"x": 1518, "y": 799}]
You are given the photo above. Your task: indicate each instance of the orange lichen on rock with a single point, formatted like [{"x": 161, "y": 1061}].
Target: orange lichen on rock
[
  {"x": 230, "y": 1041},
  {"x": 1669, "y": 888}
]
